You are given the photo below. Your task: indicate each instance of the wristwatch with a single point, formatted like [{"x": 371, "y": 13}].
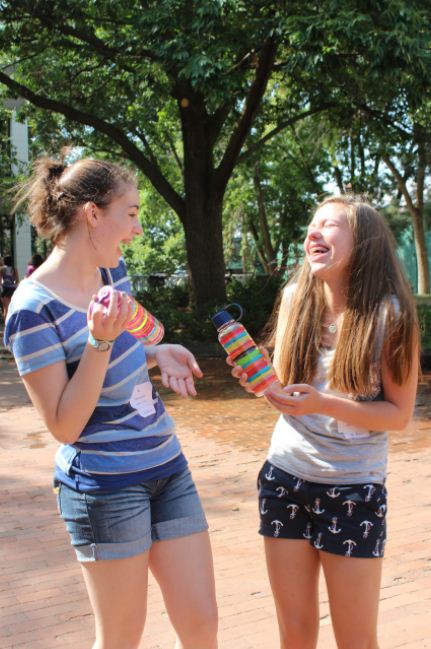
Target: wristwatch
[{"x": 100, "y": 345}]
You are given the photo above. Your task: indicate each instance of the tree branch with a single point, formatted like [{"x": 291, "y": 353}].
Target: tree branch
[
  {"x": 339, "y": 179},
  {"x": 382, "y": 118},
  {"x": 12, "y": 65},
  {"x": 280, "y": 127},
  {"x": 401, "y": 184},
  {"x": 253, "y": 99},
  {"x": 308, "y": 168},
  {"x": 171, "y": 143},
  {"x": 90, "y": 38},
  {"x": 148, "y": 167},
  {"x": 216, "y": 121},
  {"x": 422, "y": 164}
]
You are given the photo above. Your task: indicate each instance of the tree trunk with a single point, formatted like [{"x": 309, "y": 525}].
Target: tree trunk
[
  {"x": 416, "y": 213},
  {"x": 202, "y": 219},
  {"x": 421, "y": 252},
  {"x": 267, "y": 246},
  {"x": 339, "y": 179},
  {"x": 259, "y": 248},
  {"x": 204, "y": 245},
  {"x": 245, "y": 252}
]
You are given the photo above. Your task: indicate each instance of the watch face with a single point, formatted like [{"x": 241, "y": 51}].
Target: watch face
[{"x": 103, "y": 345}]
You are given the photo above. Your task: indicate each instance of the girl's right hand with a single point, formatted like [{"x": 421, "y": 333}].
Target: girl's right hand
[
  {"x": 108, "y": 322},
  {"x": 238, "y": 373}
]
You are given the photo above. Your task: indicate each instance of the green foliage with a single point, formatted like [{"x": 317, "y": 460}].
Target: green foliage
[
  {"x": 424, "y": 315},
  {"x": 161, "y": 248},
  {"x": 184, "y": 325},
  {"x": 122, "y": 79},
  {"x": 257, "y": 297},
  {"x": 290, "y": 172},
  {"x": 398, "y": 220}
]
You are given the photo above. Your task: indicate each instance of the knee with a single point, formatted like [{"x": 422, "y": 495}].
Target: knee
[
  {"x": 359, "y": 642},
  {"x": 200, "y": 626},
  {"x": 124, "y": 642},
  {"x": 127, "y": 636},
  {"x": 298, "y": 634}
]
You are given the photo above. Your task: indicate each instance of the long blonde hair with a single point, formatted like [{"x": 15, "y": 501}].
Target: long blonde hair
[{"x": 376, "y": 289}]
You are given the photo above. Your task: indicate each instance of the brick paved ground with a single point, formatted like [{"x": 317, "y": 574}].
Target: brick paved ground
[{"x": 43, "y": 604}]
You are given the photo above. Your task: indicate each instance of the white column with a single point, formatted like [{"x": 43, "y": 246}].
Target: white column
[{"x": 22, "y": 235}]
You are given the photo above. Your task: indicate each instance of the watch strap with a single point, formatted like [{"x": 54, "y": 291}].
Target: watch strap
[{"x": 100, "y": 345}]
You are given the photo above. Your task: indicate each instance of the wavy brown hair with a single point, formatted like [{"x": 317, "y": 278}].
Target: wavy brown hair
[
  {"x": 377, "y": 292},
  {"x": 55, "y": 191}
]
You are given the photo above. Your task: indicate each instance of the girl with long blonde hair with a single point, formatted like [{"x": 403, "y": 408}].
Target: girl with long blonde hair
[{"x": 346, "y": 354}]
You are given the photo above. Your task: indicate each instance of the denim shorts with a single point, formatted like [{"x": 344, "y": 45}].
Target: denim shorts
[
  {"x": 348, "y": 520},
  {"x": 125, "y": 522}
]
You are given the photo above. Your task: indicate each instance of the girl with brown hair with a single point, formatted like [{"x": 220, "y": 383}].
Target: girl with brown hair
[
  {"x": 123, "y": 486},
  {"x": 346, "y": 352}
]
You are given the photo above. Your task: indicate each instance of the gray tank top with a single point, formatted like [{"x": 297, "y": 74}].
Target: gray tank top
[{"x": 321, "y": 449}]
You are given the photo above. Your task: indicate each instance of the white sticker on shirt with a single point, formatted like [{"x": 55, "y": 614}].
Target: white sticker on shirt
[
  {"x": 142, "y": 399},
  {"x": 352, "y": 432}
]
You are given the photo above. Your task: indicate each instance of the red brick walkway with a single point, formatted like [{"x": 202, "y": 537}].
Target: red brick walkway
[{"x": 43, "y": 604}]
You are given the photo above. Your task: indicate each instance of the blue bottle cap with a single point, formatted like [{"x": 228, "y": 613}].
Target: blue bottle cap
[{"x": 223, "y": 316}]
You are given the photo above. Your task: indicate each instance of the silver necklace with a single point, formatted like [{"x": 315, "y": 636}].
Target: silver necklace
[{"x": 332, "y": 327}]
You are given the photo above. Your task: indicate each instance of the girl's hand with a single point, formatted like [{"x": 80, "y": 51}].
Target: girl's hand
[
  {"x": 296, "y": 400},
  {"x": 238, "y": 373},
  {"x": 108, "y": 322},
  {"x": 178, "y": 366}
]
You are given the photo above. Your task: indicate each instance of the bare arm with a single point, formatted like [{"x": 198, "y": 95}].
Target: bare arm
[
  {"x": 150, "y": 353},
  {"x": 67, "y": 404},
  {"x": 394, "y": 413},
  {"x": 177, "y": 365}
]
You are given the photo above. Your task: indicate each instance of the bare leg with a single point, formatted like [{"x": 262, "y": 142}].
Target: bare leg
[
  {"x": 184, "y": 570},
  {"x": 118, "y": 594},
  {"x": 293, "y": 569},
  {"x": 353, "y": 589},
  {"x": 5, "y": 305}
]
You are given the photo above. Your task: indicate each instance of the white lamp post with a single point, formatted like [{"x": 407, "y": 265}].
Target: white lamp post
[{"x": 19, "y": 145}]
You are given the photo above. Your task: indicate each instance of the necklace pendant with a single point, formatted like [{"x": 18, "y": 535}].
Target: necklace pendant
[{"x": 332, "y": 328}]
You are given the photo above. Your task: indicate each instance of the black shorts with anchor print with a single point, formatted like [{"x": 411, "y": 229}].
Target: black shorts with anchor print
[{"x": 349, "y": 520}]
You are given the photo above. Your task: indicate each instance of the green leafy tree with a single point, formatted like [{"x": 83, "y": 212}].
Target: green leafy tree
[
  {"x": 389, "y": 154},
  {"x": 135, "y": 79},
  {"x": 272, "y": 194},
  {"x": 117, "y": 74},
  {"x": 161, "y": 246},
  {"x": 379, "y": 133}
]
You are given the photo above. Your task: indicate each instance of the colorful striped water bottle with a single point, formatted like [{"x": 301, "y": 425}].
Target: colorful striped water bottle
[
  {"x": 243, "y": 351},
  {"x": 142, "y": 323}
]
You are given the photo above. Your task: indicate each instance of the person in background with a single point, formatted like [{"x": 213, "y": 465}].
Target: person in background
[
  {"x": 35, "y": 261},
  {"x": 346, "y": 352},
  {"x": 123, "y": 485},
  {"x": 8, "y": 282}
]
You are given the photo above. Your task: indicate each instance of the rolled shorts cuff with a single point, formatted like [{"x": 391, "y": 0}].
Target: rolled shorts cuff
[
  {"x": 107, "y": 551},
  {"x": 178, "y": 527},
  {"x": 163, "y": 531}
]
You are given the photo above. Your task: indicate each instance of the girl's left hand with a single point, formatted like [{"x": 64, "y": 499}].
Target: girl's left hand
[
  {"x": 178, "y": 366},
  {"x": 296, "y": 400}
]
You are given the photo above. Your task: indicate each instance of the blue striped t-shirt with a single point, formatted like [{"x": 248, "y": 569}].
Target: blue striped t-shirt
[{"x": 121, "y": 444}]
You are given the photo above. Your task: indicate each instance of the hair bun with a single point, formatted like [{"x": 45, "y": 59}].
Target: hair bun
[
  {"x": 55, "y": 169},
  {"x": 49, "y": 170}
]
